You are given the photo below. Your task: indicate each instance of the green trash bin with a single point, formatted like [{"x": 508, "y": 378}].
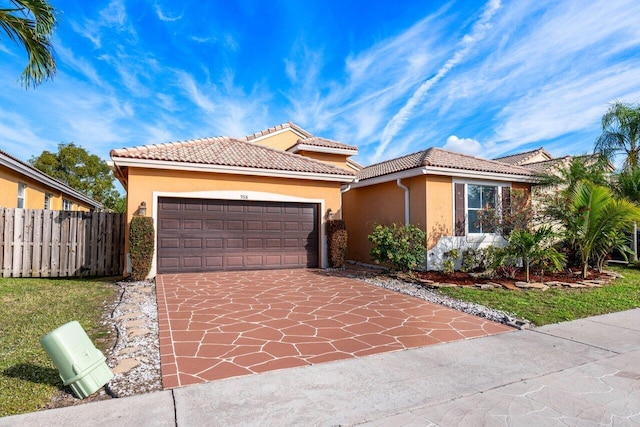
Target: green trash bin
[{"x": 80, "y": 364}]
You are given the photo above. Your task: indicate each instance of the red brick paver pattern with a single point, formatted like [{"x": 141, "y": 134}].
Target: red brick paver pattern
[{"x": 225, "y": 324}]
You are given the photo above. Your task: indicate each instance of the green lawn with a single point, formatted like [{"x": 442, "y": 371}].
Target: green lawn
[
  {"x": 558, "y": 305},
  {"x": 30, "y": 309}
]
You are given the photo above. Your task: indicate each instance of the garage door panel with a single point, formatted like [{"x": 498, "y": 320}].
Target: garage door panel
[
  {"x": 234, "y": 225},
  {"x": 213, "y": 262},
  {"x": 170, "y": 243},
  {"x": 170, "y": 224},
  {"x": 192, "y": 243},
  {"x": 192, "y": 205},
  {"x": 235, "y": 208},
  {"x": 214, "y": 224},
  {"x": 215, "y": 243},
  {"x": 233, "y": 261},
  {"x": 254, "y": 244},
  {"x": 192, "y": 224},
  {"x": 254, "y": 226},
  {"x": 198, "y": 235},
  {"x": 273, "y": 225},
  {"x": 192, "y": 261},
  {"x": 273, "y": 243},
  {"x": 235, "y": 243}
]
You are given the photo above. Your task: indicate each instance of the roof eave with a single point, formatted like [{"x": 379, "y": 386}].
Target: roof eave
[
  {"x": 319, "y": 149},
  {"x": 456, "y": 173},
  {"x": 236, "y": 170}
]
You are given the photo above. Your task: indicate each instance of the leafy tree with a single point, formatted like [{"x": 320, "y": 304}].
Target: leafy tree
[
  {"x": 596, "y": 222},
  {"x": 81, "y": 171},
  {"x": 620, "y": 133},
  {"x": 31, "y": 24}
]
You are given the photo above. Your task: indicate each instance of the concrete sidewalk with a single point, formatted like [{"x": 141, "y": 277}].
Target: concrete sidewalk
[{"x": 583, "y": 372}]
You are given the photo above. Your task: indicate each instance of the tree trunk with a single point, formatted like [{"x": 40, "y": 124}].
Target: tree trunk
[{"x": 585, "y": 270}]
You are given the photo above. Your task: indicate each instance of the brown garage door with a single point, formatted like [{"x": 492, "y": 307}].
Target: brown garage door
[{"x": 206, "y": 235}]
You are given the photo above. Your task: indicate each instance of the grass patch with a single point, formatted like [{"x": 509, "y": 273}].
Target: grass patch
[
  {"x": 31, "y": 308},
  {"x": 558, "y": 305}
]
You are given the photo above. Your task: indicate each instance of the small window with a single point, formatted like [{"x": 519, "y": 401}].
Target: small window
[
  {"x": 21, "y": 194},
  {"x": 66, "y": 205},
  {"x": 47, "y": 201}
]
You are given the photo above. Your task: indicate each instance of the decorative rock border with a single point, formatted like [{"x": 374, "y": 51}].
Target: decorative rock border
[{"x": 542, "y": 286}]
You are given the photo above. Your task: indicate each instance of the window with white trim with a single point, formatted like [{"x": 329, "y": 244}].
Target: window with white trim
[
  {"x": 22, "y": 189},
  {"x": 480, "y": 197},
  {"x": 66, "y": 205},
  {"x": 47, "y": 201},
  {"x": 470, "y": 199}
]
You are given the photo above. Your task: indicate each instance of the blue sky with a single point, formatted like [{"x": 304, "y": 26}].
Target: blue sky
[{"x": 393, "y": 77}]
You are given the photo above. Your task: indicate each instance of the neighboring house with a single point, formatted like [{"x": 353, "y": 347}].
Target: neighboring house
[
  {"x": 23, "y": 186},
  {"x": 224, "y": 203},
  {"x": 437, "y": 190}
]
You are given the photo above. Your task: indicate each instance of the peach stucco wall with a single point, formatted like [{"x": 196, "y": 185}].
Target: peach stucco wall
[
  {"x": 439, "y": 208},
  {"x": 142, "y": 183},
  {"x": 339, "y": 160},
  {"x": 379, "y": 204},
  {"x": 34, "y": 195},
  {"x": 281, "y": 141}
]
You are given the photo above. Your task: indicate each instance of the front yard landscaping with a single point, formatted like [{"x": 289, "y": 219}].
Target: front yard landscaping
[
  {"x": 31, "y": 308},
  {"x": 558, "y": 305}
]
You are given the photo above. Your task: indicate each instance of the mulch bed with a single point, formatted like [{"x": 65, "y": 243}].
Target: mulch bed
[{"x": 460, "y": 278}]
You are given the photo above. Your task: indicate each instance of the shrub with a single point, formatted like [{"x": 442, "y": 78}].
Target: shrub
[
  {"x": 401, "y": 246},
  {"x": 337, "y": 241},
  {"x": 481, "y": 259},
  {"x": 141, "y": 238},
  {"x": 449, "y": 261}
]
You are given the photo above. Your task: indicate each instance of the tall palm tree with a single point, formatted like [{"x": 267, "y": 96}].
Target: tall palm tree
[
  {"x": 31, "y": 24},
  {"x": 621, "y": 133}
]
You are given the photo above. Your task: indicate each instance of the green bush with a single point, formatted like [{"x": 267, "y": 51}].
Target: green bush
[
  {"x": 479, "y": 260},
  {"x": 401, "y": 246},
  {"x": 337, "y": 240},
  {"x": 141, "y": 239},
  {"x": 449, "y": 261}
]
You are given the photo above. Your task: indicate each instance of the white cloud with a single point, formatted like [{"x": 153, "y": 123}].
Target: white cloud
[
  {"x": 112, "y": 17},
  {"x": 463, "y": 145},
  {"x": 80, "y": 65},
  {"x": 165, "y": 17},
  {"x": 399, "y": 120}
]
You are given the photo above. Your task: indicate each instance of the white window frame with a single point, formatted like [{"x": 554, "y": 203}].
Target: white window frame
[
  {"x": 22, "y": 195},
  {"x": 499, "y": 186},
  {"x": 497, "y": 196},
  {"x": 67, "y": 205},
  {"x": 47, "y": 201}
]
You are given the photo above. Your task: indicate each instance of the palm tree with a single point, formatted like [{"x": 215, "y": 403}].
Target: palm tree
[
  {"x": 31, "y": 24},
  {"x": 597, "y": 221},
  {"x": 621, "y": 133},
  {"x": 534, "y": 246}
]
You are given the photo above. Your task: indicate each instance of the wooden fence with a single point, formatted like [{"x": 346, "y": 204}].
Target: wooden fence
[{"x": 46, "y": 243}]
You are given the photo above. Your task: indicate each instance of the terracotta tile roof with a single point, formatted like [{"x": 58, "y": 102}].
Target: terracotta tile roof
[
  {"x": 271, "y": 130},
  {"x": 546, "y": 165},
  {"x": 225, "y": 151},
  {"x": 521, "y": 158},
  {"x": 437, "y": 157},
  {"x": 324, "y": 142}
]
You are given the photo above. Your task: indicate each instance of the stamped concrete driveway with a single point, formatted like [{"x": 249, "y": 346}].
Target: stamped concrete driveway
[{"x": 225, "y": 324}]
